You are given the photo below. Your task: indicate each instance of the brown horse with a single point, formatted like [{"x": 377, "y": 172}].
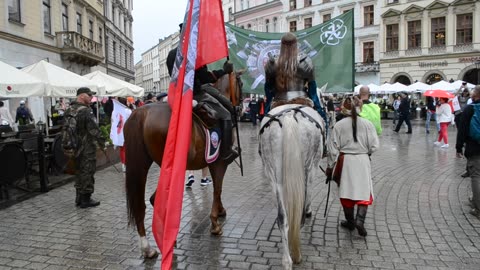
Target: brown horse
[{"x": 145, "y": 135}]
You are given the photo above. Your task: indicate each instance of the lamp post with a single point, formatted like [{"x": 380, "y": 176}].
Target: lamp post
[
  {"x": 41, "y": 157},
  {"x": 477, "y": 65}
]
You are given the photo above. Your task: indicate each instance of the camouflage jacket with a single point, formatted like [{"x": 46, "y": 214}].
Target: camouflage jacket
[{"x": 87, "y": 129}]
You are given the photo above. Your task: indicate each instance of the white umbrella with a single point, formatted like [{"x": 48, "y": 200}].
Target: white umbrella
[
  {"x": 458, "y": 84},
  {"x": 113, "y": 86},
  {"x": 418, "y": 86},
  {"x": 385, "y": 87},
  {"x": 15, "y": 83},
  {"x": 59, "y": 82},
  {"x": 393, "y": 88},
  {"x": 442, "y": 85}
]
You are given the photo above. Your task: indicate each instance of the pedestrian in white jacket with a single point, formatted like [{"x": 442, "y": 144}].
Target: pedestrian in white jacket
[{"x": 444, "y": 114}]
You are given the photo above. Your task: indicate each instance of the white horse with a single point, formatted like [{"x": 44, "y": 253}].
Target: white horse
[{"x": 291, "y": 146}]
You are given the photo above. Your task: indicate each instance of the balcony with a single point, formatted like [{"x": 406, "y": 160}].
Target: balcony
[
  {"x": 79, "y": 49},
  {"x": 367, "y": 67}
]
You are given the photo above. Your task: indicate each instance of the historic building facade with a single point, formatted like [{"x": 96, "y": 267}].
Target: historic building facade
[
  {"x": 67, "y": 33},
  {"x": 164, "y": 48},
  {"x": 429, "y": 41},
  {"x": 147, "y": 64},
  {"x": 259, "y": 15},
  {"x": 119, "y": 39},
  {"x": 139, "y": 74}
]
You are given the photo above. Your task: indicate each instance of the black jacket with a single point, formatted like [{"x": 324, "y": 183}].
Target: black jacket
[
  {"x": 472, "y": 147},
  {"x": 404, "y": 106}
]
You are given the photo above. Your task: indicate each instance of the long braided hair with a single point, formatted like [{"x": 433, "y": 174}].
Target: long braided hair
[{"x": 350, "y": 106}]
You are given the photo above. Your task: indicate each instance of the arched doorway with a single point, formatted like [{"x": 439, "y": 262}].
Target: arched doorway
[
  {"x": 403, "y": 80},
  {"x": 472, "y": 76},
  {"x": 433, "y": 78}
]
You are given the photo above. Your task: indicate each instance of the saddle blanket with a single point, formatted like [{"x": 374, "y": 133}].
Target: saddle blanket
[{"x": 212, "y": 147}]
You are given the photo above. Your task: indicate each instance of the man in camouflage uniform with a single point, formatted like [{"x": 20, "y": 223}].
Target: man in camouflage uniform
[{"x": 85, "y": 155}]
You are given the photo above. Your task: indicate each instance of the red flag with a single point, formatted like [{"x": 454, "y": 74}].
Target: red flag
[{"x": 168, "y": 201}]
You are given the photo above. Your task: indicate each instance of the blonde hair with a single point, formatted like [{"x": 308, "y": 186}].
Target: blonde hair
[{"x": 287, "y": 61}]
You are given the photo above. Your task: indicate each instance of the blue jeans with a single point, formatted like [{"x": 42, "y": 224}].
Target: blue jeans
[{"x": 431, "y": 115}]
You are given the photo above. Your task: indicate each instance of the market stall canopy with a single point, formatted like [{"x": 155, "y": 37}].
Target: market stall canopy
[
  {"x": 458, "y": 84},
  {"x": 418, "y": 86},
  {"x": 393, "y": 88},
  {"x": 442, "y": 85},
  {"x": 15, "y": 83},
  {"x": 59, "y": 82},
  {"x": 113, "y": 86}
]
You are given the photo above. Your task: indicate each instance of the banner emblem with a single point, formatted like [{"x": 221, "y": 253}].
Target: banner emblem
[{"x": 333, "y": 33}]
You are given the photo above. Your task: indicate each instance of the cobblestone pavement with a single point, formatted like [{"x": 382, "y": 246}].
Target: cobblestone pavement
[{"x": 419, "y": 219}]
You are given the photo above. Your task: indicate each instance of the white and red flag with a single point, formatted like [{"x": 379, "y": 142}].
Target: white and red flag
[{"x": 202, "y": 41}]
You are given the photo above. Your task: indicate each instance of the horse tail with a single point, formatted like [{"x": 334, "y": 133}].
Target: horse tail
[
  {"x": 294, "y": 183},
  {"x": 138, "y": 161}
]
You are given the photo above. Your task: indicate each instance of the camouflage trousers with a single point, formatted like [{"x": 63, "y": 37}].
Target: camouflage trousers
[{"x": 85, "y": 166}]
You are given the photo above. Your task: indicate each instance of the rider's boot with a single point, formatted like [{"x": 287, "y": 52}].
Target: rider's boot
[{"x": 228, "y": 153}]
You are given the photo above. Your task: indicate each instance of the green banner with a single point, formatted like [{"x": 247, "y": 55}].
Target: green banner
[{"x": 330, "y": 45}]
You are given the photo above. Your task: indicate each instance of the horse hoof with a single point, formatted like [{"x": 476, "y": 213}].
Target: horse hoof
[
  {"x": 308, "y": 214},
  {"x": 216, "y": 231},
  {"x": 150, "y": 254},
  {"x": 223, "y": 213}
]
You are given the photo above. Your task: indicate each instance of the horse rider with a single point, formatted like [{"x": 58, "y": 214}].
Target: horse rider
[
  {"x": 287, "y": 77},
  {"x": 216, "y": 104}
]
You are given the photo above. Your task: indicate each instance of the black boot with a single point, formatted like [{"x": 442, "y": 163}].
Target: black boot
[
  {"x": 349, "y": 223},
  {"x": 228, "y": 153},
  {"x": 77, "y": 198},
  {"x": 361, "y": 214},
  {"x": 86, "y": 201}
]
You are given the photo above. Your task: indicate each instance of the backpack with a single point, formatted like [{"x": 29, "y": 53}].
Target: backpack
[
  {"x": 70, "y": 139},
  {"x": 475, "y": 123}
]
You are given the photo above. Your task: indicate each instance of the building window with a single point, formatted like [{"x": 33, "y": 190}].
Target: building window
[
  {"x": 392, "y": 37},
  {"x": 114, "y": 52},
  {"x": 293, "y": 26},
  {"x": 274, "y": 24},
  {"x": 47, "y": 24},
  {"x": 414, "y": 34},
  {"x": 249, "y": 26},
  {"x": 392, "y": 2},
  {"x": 100, "y": 35},
  {"x": 267, "y": 24},
  {"x": 79, "y": 23},
  {"x": 307, "y": 23},
  {"x": 464, "y": 29},
  {"x": 307, "y": 3},
  {"x": 368, "y": 52},
  {"x": 327, "y": 17},
  {"x": 293, "y": 4},
  {"x": 90, "y": 29},
  {"x": 113, "y": 15},
  {"x": 125, "y": 26},
  {"x": 438, "y": 31},
  {"x": 368, "y": 15},
  {"x": 65, "y": 17},
  {"x": 230, "y": 14},
  {"x": 126, "y": 59},
  {"x": 14, "y": 10}
]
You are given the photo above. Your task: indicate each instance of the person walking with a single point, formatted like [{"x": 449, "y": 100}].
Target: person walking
[
  {"x": 253, "y": 105},
  {"x": 472, "y": 149},
  {"x": 404, "y": 114},
  {"x": 351, "y": 143},
  {"x": 431, "y": 114},
  {"x": 24, "y": 115},
  {"x": 370, "y": 111},
  {"x": 89, "y": 135},
  {"x": 396, "y": 106},
  {"x": 444, "y": 114},
  {"x": 205, "y": 181}
]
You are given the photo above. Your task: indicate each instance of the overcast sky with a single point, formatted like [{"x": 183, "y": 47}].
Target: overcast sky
[{"x": 155, "y": 19}]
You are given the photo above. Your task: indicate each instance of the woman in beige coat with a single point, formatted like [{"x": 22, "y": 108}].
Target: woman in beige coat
[{"x": 353, "y": 139}]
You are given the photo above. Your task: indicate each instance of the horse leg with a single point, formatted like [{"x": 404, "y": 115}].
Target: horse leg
[
  {"x": 147, "y": 251},
  {"x": 217, "y": 170},
  {"x": 308, "y": 195}
]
